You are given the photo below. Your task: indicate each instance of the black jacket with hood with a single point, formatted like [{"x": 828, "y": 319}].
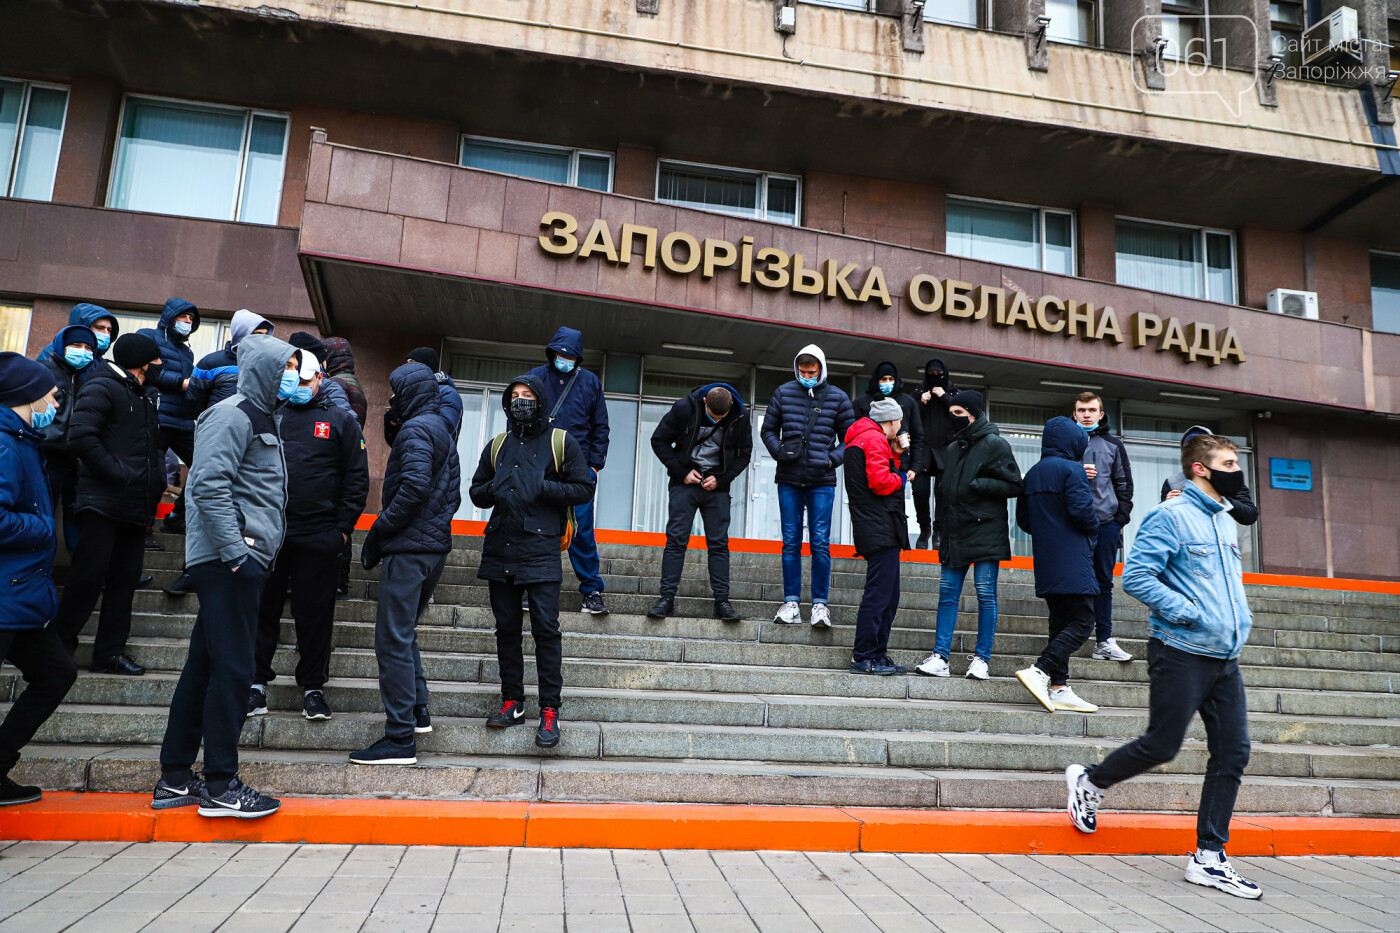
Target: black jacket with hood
[
  {"x": 813, "y": 463},
  {"x": 327, "y": 471},
  {"x": 115, "y": 437},
  {"x": 939, "y": 424},
  {"x": 584, "y": 412},
  {"x": 678, "y": 430},
  {"x": 1057, "y": 511},
  {"x": 527, "y": 496},
  {"x": 177, "y": 410},
  {"x": 916, "y": 457},
  {"x": 1242, "y": 507},
  {"x": 340, "y": 366},
  {"x": 979, "y": 474},
  {"x": 215, "y": 378},
  {"x": 54, "y": 446}
]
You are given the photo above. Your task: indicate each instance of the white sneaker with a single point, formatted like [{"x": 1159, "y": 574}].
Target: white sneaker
[
  {"x": 1064, "y": 698},
  {"x": 977, "y": 668},
  {"x": 1038, "y": 683},
  {"x": 789, "y": 614},
  {"x": 1084, "y": 799},
  {"x": 1108, "y": 650},
  {"x": 933, "y": 666},
  {"x": 821, "y": 616},
  {"x": 1213, "y": 870}
]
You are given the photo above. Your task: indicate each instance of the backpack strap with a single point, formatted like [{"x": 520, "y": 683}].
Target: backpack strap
[
  {"x": 496, "y": 443},
  {"x": 556, "y": 445}
]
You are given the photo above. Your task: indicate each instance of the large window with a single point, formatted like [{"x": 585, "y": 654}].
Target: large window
[
  {"x": 973, "y": 13},
  {"x": 1385, "y": 292},
  {"x": 730, "y": 191},
  {"x": 1286, "y": 22},
  {"x": 31, "y": 129},
  {"x": 545, "y": 163},
  {"x": 195, "y": 160},
  {"x": 1188, "y": 261},
  {"x": 14, "y": 328},
  {"x": 1013, "y": 234},
  {"x": 1184, "y": 24},
  {"x": 1072, "y": 21}
]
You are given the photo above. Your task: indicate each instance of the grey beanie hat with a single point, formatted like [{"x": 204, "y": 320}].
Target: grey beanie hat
[{"x": 885, "y": 409}]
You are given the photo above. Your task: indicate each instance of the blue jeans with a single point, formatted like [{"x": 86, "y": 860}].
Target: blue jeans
[
  {"x": 817, "y": 502},
  {"x": 583, "y": 551},
  {"x": 984, "y": 578}
]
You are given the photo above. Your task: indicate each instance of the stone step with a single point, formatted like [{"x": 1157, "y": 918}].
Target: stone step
[{"x": 134, "y": 769}]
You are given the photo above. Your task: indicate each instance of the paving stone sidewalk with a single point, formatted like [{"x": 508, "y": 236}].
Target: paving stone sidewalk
[{"x": 269, "y": 888}]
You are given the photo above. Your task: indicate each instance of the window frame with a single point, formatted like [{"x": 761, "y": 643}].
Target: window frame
[
  {"x": 1199, "y": 8},
  {"x": 574, "y": 153},
  {"x": 1041, "y": 210},
  {"x": 7, "y": 189},
  {"x": 1095, "y": 23},
  {"x": 1204, "y": 262},
  {"x": 1388, "y": 254},
  {"x": 14, "y": 304},
  {"x": 249, "y": 113},
  {"x": 763, "y": 178},
  {"x": 1293, "y": 30}
]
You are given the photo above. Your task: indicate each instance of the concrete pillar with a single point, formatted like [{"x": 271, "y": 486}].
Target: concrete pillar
[
  {"x": 1243, "y": 25},
  {"x": 89, "y": 134},
  {"x": 634, "y": 172},
  {"x": 1132, "y": 25},
  {"x": 1021, "y": 16},
  {"x": 1098, "y": 242}
]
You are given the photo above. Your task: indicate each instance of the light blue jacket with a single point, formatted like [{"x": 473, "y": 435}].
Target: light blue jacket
[{"x": 1185, "y": 565}]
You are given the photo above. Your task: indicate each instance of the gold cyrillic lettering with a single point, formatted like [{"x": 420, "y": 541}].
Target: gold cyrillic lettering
[
  {"x": 1202, "y": 338},
  {"x": 1108, "y": 326},
  {"x": 564, "y": 228},
  {"x": 1145, "y": 326},
  {"x": 875, "y": 287},
  {"x": 983, "y": 294},
  {"x": 746, "y": 260},
  {"x": 599, "y": 240},
  {"x": 805, "y": 281},
  {"x": 668, "y": 252},
  {"x": 1077, "y": 314},
  {"x": 917, "y": 285},
  {"x": 631, "y": 232},
  {"x": 776, "y": 275},
  {"x": 1043, "y": 308},
  {"x": 1173, "y": 337},
  {"x": 1230, "y": 346},
  {"x": 837, "y": 281},
  {"x": 959, "y": 301},
  {"x": 1020, "y": 311},
  {"x": 719, "y": 254}
]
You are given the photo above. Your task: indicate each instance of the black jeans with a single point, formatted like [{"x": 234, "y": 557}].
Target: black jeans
[
  {"x": 1071, "y": 624},
  {"x": 108, "y": 564},
  {"x": 311, "y": 570},
  {"x": 406, "y": 583},
  {"x": 182, "y": 442},
  {"x": 926, "y": 486},
  {"x": 211, "y": 698},
  {"x": 713, "y": 507},
  {"x": 544, "y": 629},
  {"x": 878, "y": 604},
  {"x": 63, "y": 495},
  {"x": 1184, "y": 684},
  {"x": 48, "y": 670},
  {"x": 1105, "y": 556}
]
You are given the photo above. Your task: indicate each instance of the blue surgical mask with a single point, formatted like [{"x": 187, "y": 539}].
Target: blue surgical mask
[
  {"x": 564, "y": 365},
  {"x": 290, "y": 379},
  {"x": 103, "y": 340},
  {"x": 183, "y": 329},
  {"x": 302, "y": 395},
  {"x": 77, "y": 357},
  {"x": 886, "y": 388},
  {"x": 39, "y": 420},
  {"x": 1088, "y": 427},
  {"x": 808, "y": 383}
]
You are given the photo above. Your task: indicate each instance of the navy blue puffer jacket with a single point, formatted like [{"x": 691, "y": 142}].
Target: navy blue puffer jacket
[
  {"x": 177, "y": 410},
  {"x": 1057, "y": 511},
  {"x": 87, "y": 315},
  {"x": 584, "y": 413},
  {"x": 27, "y": 597},
  {"x": 423, "y": 480},
  {"x": 813, "y": 463}
]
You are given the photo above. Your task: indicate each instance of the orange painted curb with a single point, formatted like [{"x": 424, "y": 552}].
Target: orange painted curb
[
  {"x": 691, "y": 826},
  {"x": 88, "y": 817},
  {"x": 1318, "y": 835}
]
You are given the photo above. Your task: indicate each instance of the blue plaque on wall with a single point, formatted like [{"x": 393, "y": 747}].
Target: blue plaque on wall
[{"x": 1290, "y": 474}]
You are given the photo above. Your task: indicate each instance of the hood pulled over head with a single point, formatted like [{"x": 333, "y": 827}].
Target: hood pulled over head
[
  {"x": 811, "y": 350},
  {"x": 261, "y": 360},
  {"x": 1063, "y": 438},
  {"x": 415, "y": 391}
]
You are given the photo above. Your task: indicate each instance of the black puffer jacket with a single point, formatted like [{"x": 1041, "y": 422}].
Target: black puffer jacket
[
  {"x": 916, "y": 457},
  {"x": 177, "y": 410},
  {"x": 939, "y": 425},
  {"x": 423, "y": 480},
  {"x": 676, "y": 432},
  {"x": 979, "y": 475},
  {"x": 327, "y": 471},
  {"x": 54, "y": 446},
  {"x": 527, "y": 497},
  {"x": 115, "y": 436},
  {"x": 813, "y": 463}
]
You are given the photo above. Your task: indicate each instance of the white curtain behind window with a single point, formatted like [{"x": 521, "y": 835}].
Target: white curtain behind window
[
  {"x": 994, "y": 233},
  {"x": 38, "y": 149},
  {"x": 262, "y": 179},
  {"x": 542, "y": 164},
  {"x": 1160, "y": 258},
  {"x": 709, "y": 190},
  {"x": 11, "y": 103},
  {"x": 178, "y": 159}
]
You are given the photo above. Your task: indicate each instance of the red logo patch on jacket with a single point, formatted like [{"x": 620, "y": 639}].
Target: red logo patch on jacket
[{"x": 323, "y": 429}]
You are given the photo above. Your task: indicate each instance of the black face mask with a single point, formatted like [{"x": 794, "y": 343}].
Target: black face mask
[
  {"x": 1228, "y": 485},
  {"x": 523, "y": 410}
]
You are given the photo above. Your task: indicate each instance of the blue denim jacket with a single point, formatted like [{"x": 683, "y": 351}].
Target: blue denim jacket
[{"x": 1185, "y": 565}]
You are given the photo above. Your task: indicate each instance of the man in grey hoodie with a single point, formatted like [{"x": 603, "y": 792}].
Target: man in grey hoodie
[{"x": 234, "y": 528}]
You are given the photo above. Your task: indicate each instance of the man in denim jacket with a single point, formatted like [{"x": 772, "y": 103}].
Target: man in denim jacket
[{"x": 1185, "y": 566}]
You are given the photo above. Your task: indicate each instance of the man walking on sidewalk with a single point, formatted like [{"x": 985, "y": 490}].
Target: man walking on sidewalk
[
  {"x": 1111, "y": 481},
  {"x": 705, "y": 442},
  {"x": 1185, "y": 566},
  {"x": 1057, "y": 511},
  {"x": 237, "y": 495}
]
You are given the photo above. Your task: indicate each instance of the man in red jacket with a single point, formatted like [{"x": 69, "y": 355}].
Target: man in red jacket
[{"x": 875, "y": 496}]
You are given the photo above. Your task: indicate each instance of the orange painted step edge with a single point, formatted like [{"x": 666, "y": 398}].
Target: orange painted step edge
[{"x": 691, "y": 826}]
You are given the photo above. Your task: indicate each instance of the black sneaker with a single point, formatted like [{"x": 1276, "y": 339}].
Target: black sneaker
[
  {"x": 168, "y": 796},
  {"x": 387, "y": 752},
  {"x": 257, "y": 702},
  {"x": 725, "y": 611},
  {"x": 878, "y": 667},
  {"x": 117, "y": 664},
  {"x": 173, "y": 526},
  {"x": 663, "y": 608},
  {"x": 314, "y": 705},
  {"x": 152, "y": 544},
  {"x": 12, "y": 793},
  {"x": 593, "y": 605},
  {"x": 342, "y": 592},
  {"x": 512, "y": 713},
  {"x": 239, "y": 801},
  {"x": 898, "y": 668},
  {"x": 180, "y": 586},
  {"x": 144, "y": 580},
  {"x": 422, "y": 722},
  {"x": 547, "y": 735}
]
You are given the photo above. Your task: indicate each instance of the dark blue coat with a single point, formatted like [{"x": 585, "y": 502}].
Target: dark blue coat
[
  {"x": 451, "y": 402},
  {"x": 423, "y": 480},
  {"x": 177, "y": 410},
  {"x": 87, "y": 315},
  {"x": 1057, "y": 511},
  {"x": 584, "y": 413},
  {"x": 815, "y": 463},
  {"x": 27, "y": 542}
]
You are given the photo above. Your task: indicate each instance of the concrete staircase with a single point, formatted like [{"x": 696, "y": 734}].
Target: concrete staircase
[{"x": 695, "y": 710}]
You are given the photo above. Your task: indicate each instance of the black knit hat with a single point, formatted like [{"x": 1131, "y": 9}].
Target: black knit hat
[
  {"x": 425, "y": 355},
  {"x": 22, "y": 381},
  {"x": 306, "y": 341},
  {"x": 970, "y": 399},
  {"x": 132, "y": 351}
]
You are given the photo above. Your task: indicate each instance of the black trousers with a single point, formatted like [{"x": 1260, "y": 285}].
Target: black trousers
[
  {"x": 713, "y": 506},
  {"x": 63, "y": 495},
  {"x": 108, "y": 564},
  {"x": 1105, "y": 556},
  {"x": 182, "y": 442},
  {"x": 926, "y": 487},
  {"x": 211, "y": 698},
  {"x": 311, "y": 571},
  {"x": 1184, "y": 684},
  {"x": 343, "y": 579},
  {"x": 1071, "y": 624},
  {"x": 544, "y": 629},
  {"x": 406, "y": 583},
  {"x": 878, "y": 604},
  {"x": 49, "y": 672}
]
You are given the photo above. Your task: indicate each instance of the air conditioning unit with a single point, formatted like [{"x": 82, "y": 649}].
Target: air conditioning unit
[
  {"x": 1337, "y": 36},
  {"x": 1293, "y": 302}
]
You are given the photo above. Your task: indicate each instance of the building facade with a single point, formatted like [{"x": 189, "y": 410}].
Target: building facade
[{"x": 1181, "y": 206}]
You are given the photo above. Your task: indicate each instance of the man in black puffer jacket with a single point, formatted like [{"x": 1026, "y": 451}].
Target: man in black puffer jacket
[
  {"x": 69, "y": 357},
  {"x": 178, "y": 319},
  {"x": 803, "y": 429},
  {"x": 885, "y": 383},
  {"x": 114, "y": 434},
  {"x": 935, "y": 395},
  {"x": 528, "y": 477},
  {"x": 413, "y": 533}
]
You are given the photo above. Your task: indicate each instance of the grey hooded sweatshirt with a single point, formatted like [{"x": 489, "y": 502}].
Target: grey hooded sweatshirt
[{"x": 236, "y": 495}]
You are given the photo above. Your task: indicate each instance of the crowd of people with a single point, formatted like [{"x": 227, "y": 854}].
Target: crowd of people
[{"x": 278, "y": 478}]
